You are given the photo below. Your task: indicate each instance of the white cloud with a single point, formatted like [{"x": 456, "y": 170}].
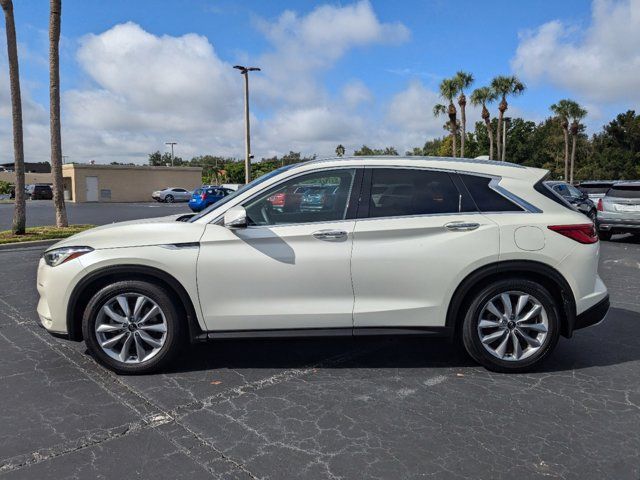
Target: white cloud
[
  {"x": 601, "y": 62},
  {"x": 355, "y": 93},
  {"x": 302, "y": 46}
]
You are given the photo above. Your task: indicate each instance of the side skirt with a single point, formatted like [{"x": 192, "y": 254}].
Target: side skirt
[{"x": 328, "y": 332}]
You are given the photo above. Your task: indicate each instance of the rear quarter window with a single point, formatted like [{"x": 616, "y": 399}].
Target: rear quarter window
[
  {"x": 624, "y": 191},
  {"x": 486, "y": 198}
]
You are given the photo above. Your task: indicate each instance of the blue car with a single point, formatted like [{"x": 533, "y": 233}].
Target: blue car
[{"x": 206, "y": 195}]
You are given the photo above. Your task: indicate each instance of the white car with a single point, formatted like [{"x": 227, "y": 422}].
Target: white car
[
  {"x": 479, "y": 251},
  {"x": 172, "y": 194}
]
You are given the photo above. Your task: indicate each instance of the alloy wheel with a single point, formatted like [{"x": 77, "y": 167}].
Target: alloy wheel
[
  {"x": 513, "y": 325},
  {"x": 131, "y": 328}
]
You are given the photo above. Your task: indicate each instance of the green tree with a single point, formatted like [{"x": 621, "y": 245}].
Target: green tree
[
  {"x": 448, "y": 91},
  {"x": 464, "y": 81},
  {"x": 483, "y": 96},
  {"x": 505, "y": 86},
  {"x": 562, "y": 111},
  {"x": 19, "y": 209},
  {"x": 368, "y": 152}
]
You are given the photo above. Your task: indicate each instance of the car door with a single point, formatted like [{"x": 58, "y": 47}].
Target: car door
[
  {"x": 290, "y": 268},
  {"x": 415, "y": 238}
]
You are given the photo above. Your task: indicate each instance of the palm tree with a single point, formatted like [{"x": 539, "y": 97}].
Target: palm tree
[
  {"x": 54, "y": 113},
  {"x": 482, "y": 96},
  {"x": 448, "y": 91},
  {"x": 340, "y": 150},
  {"x": 562, "y": 110},
  {"x": 576, "y": 113},
  {"x": 504, "y": 86},
  {"x": 19, "y": 212},
  {"x": 464, "y": 80}
]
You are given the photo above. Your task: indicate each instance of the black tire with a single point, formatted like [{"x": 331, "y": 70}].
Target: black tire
[
  {"x": 593, "y": 215},
  {"x": 471, "y": 336},
  {"x": 174, "y": 334},
  {"x": 169, "y": 199},
  {"x": 605, "y": 236}
]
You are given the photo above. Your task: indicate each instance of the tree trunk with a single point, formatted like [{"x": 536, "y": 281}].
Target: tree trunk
[
  {"x": 490, "y": 133},
  {"x": 54, "y": 117},
  {"x": 19, "y": 212},
  {"x": 462, "y": 101},
  {"x": 501, "y": 108},
  {"x": 453, "y": 126},
  {"x": 503, "y": 147},
  {"x": 565, "y": 131},
  {"x": 573, "y": 157},
  {"x": 454, "y": 146}
]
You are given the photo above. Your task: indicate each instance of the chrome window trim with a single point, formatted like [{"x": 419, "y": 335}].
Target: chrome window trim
[{"x": 493, "y": 184}]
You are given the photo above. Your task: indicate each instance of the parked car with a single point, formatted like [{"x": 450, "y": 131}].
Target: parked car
[
  {"x": 478, "y": 251},
  {"x": 206, "y": 195},
  {"x": 171, "y": 194},
  {"x": 575, "y": 197},
  {"x": 39, "y": 191},
  {"x": 595, "y": 189},
  {"x": 619, "y": 210}
]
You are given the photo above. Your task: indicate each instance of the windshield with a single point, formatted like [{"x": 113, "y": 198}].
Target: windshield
[{"x": 246, "y": 187}]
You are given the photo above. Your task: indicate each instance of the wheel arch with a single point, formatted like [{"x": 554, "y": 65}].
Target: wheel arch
[
  {"x": 542, "y": 273},
  {"x": 92, "y": 283}
]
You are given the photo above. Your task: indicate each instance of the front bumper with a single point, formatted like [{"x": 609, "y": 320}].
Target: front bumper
[{"x": 593, "y": 315}]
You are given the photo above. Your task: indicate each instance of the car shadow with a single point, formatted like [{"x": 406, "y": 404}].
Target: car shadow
[
  {"x": 625, "y": 238},
  {"x": 612, "y": 342}
]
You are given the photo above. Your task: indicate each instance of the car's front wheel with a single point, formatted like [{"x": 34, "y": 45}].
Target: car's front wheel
[
  {"x": 132, "y": 327},
  {"x": 511, "y": 325}
]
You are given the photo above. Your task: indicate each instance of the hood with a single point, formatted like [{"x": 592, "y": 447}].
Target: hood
[{"x": 136, "y": 233}]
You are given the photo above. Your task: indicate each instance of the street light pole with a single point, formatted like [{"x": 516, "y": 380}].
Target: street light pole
[
  {"x": 247, "y": 158},
  {"x": 172, "y": 144}
]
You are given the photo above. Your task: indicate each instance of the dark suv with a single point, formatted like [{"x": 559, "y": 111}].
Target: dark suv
[{"x": 39, "y": 192}]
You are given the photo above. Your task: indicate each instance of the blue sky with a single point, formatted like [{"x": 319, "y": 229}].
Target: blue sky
[{"x": 371, "y": 79}]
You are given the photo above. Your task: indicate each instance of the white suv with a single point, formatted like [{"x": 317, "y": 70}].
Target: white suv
[{"x": 476, "y": 250}]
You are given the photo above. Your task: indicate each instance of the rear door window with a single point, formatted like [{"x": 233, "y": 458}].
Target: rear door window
[
  {"x": 486, "y": 198},
  {"x": 624, "y": 191},
  {"x": 405, "y": 192}
]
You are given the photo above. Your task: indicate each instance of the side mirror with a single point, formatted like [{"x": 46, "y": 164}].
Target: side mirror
[{"x": 235, "y": 217}]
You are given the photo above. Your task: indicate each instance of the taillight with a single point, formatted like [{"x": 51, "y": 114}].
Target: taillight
[
  {"x": 600, "y": 206},
  {"x": 582, "y": 233}
]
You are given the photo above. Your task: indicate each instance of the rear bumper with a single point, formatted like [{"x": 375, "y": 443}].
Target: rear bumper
[
  {"x": 592, "y": 315},
  {"x": 619, "y": 223}
]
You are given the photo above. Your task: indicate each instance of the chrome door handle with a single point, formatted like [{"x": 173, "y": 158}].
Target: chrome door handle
[
  {"x": 330, "y": 234},
  {"x": 461, "y": 226}
]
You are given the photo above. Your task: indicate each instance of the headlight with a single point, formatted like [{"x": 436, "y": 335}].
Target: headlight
[{"x": 58, "y": 256}]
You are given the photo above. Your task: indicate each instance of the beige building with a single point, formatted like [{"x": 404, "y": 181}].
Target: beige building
[
  {"x": 124, "y": 183},
  {"x": 28, "y": 177}
]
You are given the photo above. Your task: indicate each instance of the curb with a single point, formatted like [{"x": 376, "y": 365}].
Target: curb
[{"x": 23, "y": 245}]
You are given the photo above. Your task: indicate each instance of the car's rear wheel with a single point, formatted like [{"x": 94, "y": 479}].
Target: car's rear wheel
[
  {"x": 132, "y": 327},
  {"x": 169, "y": 199},
  {"x": 511, "y": 325}
]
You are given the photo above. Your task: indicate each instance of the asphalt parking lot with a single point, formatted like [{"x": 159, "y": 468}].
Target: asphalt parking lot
[
  {"x": 40, "y": 212},
  {"x": 322, "y": 408}
]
